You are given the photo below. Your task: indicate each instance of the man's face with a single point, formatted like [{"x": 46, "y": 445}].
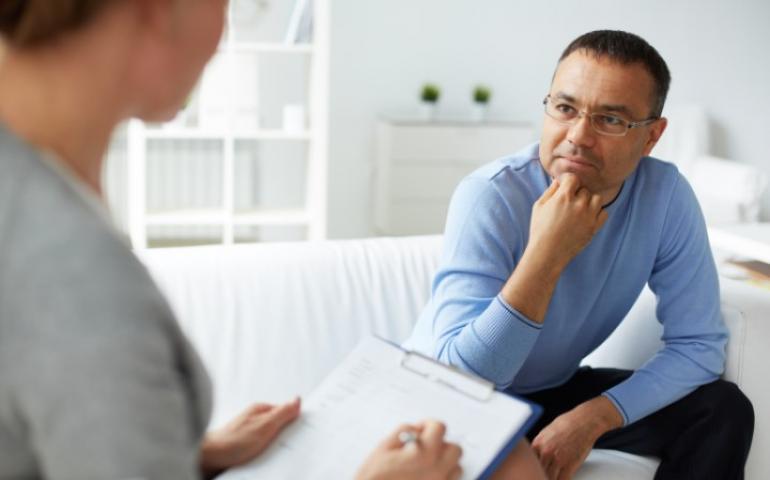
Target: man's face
[{"x": 598, "y": 85}]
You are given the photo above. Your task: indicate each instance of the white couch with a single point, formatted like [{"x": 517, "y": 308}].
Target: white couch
[{"x": 271, "y": 320}]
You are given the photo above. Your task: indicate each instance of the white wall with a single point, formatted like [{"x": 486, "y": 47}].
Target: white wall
[{"x": 383, "y": 50}]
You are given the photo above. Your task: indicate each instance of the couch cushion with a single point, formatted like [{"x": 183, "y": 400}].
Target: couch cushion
[{"x": 614, "y": 465}]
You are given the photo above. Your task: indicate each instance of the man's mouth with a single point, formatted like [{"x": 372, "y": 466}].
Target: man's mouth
[{"x": 577, "y": 160}]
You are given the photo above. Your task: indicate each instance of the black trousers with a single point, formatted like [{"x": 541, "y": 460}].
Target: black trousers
[{"x": 705, "y": 435}]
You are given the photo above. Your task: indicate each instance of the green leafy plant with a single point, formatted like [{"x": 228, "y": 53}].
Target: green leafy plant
[
  {"x": 482, "y": 94},
  {"x": 430, "y": 93}
]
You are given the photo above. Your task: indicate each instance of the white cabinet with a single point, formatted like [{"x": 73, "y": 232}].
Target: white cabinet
[
  {"x": 419, "y": 164},
  {"x": 246, "y": 161}
]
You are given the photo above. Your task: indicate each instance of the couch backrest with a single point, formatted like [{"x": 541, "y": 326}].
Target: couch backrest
[
  {"x": 638, "y": 338},
  {"x": 271, "y": 320}
]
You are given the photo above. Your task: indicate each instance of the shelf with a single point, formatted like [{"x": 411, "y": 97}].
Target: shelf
[
  {"x": 220, "y": 217},
  {"x": 272, "y": 217},
  {"x": 186, "y": 217},
  {"x": 174, "y": 133},
  {"x": 262, "y": 47},
  {"x": 215, "y": 155}
]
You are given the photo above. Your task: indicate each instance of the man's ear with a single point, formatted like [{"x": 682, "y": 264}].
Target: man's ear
[{"x": 655, "y": 132}]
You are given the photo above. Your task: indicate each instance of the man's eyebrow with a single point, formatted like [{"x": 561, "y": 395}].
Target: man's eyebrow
[
  {"x": 564, "y": 96},
  {"x": 614, "y": 108}
]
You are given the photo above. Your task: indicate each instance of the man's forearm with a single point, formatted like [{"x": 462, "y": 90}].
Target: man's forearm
[
  {"x": 564, "y": 220},
  {"x": 530, "y": 287}
]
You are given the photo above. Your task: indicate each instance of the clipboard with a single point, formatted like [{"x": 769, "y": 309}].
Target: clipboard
[
  {"x": 378, "y": 387},
  {"x": 472, "y": 386}
]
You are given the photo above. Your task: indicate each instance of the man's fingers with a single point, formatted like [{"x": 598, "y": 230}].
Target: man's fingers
[
  {"x": 601, "y": 219},
  {"x": 582, "y": 196},
  {"x": 596, "y": 202},
  {"x": 546, "y": 458},
  {"x": 550, "y": 191},
  {"x": 569, "y": 182},
  {"x": 553, "y": 471},
  {"x": 456, "y": 473},
  {"x": 568, "y": 473},
  {"x": 536, "y": 443}
]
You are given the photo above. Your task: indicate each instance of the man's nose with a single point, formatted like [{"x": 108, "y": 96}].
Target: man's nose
[{"x": 581, "y": 133}]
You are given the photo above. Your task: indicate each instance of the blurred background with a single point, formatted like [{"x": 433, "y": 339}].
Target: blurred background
[{"x": 310, "y": 122}]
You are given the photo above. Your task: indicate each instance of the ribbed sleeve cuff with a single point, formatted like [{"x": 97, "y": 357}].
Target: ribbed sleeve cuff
[
  {"x": 636, "y": 397},
  {"x": 516, "y": 314},
  {"x": 506, "y": 333},
  {"x": 503, "y": 329},
  {"x": 617, "y": 404}
]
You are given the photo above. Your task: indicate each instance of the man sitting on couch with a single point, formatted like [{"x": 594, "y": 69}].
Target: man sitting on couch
[{"x": 546, "y": 251}]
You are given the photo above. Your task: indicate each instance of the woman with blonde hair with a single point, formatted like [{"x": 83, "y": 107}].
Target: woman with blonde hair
[{"x": 96, "y": 379}]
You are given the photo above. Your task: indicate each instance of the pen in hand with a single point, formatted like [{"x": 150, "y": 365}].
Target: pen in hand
[{"x": 407, "y": 438}]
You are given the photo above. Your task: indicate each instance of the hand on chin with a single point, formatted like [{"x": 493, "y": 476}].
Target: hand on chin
[{"x": 560, "y": 172}]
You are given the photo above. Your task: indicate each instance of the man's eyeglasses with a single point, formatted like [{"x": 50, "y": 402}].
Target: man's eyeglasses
[{"x": 602, "y": 123}]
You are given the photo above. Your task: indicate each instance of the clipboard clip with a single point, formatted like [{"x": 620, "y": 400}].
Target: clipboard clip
[{"x": 474, "y": 387}]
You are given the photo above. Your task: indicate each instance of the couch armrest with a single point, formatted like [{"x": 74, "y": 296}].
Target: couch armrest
[
  {"x": 747, "y": 314},
  {"x": 746, "y": 310}
]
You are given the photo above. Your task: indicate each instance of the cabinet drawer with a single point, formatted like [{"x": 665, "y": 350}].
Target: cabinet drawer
[
  {"x": 442, "y": 143},
  {"x": 426, "y": 182},
  {"x": 423, "y": 218}
]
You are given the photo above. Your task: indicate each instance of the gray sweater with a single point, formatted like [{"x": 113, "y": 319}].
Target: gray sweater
[{"x": 97, "y": 381}]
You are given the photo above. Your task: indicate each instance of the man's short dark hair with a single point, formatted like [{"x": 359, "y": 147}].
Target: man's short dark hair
[{"x": 626, "y": 48}]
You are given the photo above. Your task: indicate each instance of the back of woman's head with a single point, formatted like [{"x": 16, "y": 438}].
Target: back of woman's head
[{"x": 28, "y": 23}]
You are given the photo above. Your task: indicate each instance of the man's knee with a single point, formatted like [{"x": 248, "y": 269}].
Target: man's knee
[{"x": 729, "y": 408}]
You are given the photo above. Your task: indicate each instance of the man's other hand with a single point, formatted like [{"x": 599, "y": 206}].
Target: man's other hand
[
  {"x": 565, "y": 219},
  {"x": 563, "y": 446}
]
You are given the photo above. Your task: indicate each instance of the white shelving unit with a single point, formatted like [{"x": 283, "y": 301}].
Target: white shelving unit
[{"x": 312, "y": 141}]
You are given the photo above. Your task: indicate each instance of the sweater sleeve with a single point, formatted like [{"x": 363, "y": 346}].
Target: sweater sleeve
[
  {"x": 473, "y": 327},
  {"x": 685, "y": 283}
]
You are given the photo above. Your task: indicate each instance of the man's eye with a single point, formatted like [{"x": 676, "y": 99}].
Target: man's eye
[
  {"x": 610, "y": 120},
  {"x": 565, "y": 109}
]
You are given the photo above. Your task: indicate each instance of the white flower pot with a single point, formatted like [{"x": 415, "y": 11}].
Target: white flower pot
[
  {"x": 427, "y": 111},
  {"x": 479, "y": 112}
]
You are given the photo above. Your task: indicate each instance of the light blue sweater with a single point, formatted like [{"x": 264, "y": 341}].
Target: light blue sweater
[{"x": 655, "y": 234}]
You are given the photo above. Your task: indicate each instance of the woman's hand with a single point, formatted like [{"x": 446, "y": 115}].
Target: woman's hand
[
  {"x": 430, "y": 457},
  {"x": 245, "y": 437}
]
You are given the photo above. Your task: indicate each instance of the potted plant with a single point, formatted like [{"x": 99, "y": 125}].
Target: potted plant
[
  {"x": 429, "y": 98},
  {"x": 481, "y": 96}
]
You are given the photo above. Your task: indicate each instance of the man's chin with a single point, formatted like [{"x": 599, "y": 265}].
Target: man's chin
[
  {"x": 557, "y": 173},
  {"x": 584, "y": 172}
]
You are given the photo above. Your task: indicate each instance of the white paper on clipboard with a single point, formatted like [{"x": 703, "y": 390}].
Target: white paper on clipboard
[{"x": 376, "y": 388}]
